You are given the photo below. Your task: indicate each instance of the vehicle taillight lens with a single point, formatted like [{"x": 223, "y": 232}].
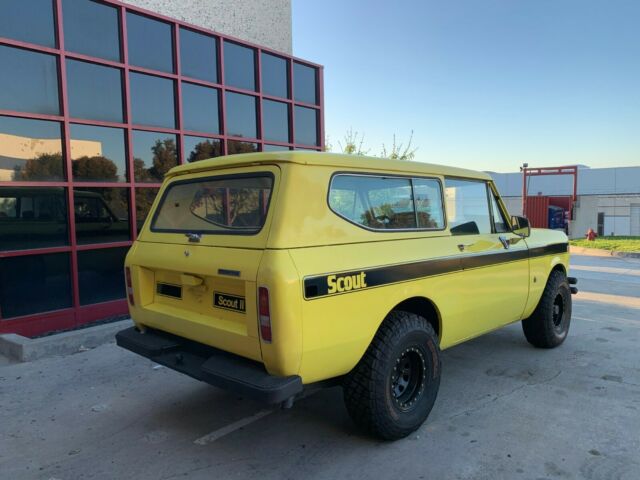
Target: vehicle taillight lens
[
  {"x": 127, "y": 277},
  {"x": 264, "y": 314}
]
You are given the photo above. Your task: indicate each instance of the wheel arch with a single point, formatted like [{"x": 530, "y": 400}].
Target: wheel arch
[{"x": 424, "y": 307}]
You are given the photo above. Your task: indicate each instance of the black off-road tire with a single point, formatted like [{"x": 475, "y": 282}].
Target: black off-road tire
[
  {"x": 548, "y": 326},
  {"x": 391, "y": 391}
]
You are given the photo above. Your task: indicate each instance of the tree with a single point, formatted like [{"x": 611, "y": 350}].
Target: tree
[
  {"x": 46, "y": 166},
  {"x": 204, "y": 150},
  {"x": 234, "y": 147},
  {"x": 398, "y": 151},
  {"x": 95, "y": 168},
  {"x": 352, "y": 143},
  {"x": 165, "y": 157}
]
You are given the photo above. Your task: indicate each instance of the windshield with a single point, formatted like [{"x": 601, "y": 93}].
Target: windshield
[{"x": 225, "y": 204}]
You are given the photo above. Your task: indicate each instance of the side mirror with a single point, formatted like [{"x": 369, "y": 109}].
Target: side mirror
[{"x": 521, "y": 226}]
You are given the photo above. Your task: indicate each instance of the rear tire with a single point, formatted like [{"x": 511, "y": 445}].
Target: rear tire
[
  {"x": 391, "y": 391},
  {"x": 548, "y": 326}
]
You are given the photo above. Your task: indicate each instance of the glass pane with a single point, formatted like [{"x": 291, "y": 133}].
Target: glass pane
[
  {"x": 374, "y": 202},
  {"x": 274, "y": 148},
  {"x": 28, "y": 21},
  {"x": 102, "y": 214},
  {"x": 306, "y": 126},
  {"x": 198, "y": 148},
  {"x": 154, "y": 154},
  {"x": 144, "y": 200},
  {"x": 304, "y": 83},
  {"x": 100, "y": 275},
  {"x": 150, "y": 43},
  {"x": 500, "y": 222},
  {"x": 98, "y": 154},
  {"x": 275, "y": 78},
  {"x": 94, "y": 91},
  {"x": 467, "y": 207},
  {"x": 91, "y": 28},
  {"x": 239, "y": 66},
  {"x": 428, "y": 198},
  {"x": 241, "y": 115},
  {"x": 152, "y": 101},
  {"x": 275, "y": 121},
  {"x": 234, "y": 146},
  {"x": 200, "y": 108},
  {"x": 30, "y": 150},
  {"x": 198, "y": 55},
  {"x": 34, "y": 284},
  {"x": 221, "y": 204},
  {"x": 29, "y": 81},
  {"x": 32, "y": 217}
]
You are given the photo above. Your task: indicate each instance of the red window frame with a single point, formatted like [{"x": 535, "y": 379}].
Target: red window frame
[{"x": 35, "y": 324}]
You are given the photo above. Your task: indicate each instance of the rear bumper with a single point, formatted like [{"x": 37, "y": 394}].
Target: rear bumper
[{"x": 216, "y": 367}]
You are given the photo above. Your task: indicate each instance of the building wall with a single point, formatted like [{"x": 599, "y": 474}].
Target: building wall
[
  {"x": 263, "y": 22},
  {"x": 90, "y": 123}
]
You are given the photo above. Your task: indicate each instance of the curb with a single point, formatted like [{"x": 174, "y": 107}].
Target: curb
[
  {"x": 23, "y": 349},
  {"x": 599, "y": 252}
]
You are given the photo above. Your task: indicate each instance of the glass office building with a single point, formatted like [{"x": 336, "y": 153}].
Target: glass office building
[{"x": 98, "y": 100}]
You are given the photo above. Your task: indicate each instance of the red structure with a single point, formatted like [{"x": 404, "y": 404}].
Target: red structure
[
  {"x": 81, "y": 307},
  {"x": 535, "y": 208}
]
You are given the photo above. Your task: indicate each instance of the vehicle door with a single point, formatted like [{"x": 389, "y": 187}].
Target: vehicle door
[{"x": 494, "y": 281}]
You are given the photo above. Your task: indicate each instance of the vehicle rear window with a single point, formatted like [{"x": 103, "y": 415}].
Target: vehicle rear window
[
  {"x": 224, "y": 204},
  {"x": 388, "y": 203}
]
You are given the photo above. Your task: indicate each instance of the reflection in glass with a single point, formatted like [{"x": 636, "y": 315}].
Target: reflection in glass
[
  {"x": 154, "y": 154},
  {"x": 102, "y": 214},
  {"x": 234, "y": 146},
  {"x": 200, "y": 108},
  {"x": 274, "y": 148},
  {"x": 275, "y": 121},
  {"x": 275, "y": 78},
  {"x": 34, "y": 283},
  {"x": 306, "y": 126},
  {"x": 239, "y": 66},
  {"x": 144, "y": 200},
  {"x": 94, "y": 91},
  {"x": 32, "y": 217},
  {"x": 198, "y": 148},
  {"x": 30, "y": 150},
  {"x": 98, "y": 154},
  {"x": 150, "y": 43},
  {"x": 241, "y": 115},
  {"x": 198, "y": 55},
  {"x": 28, "y": 21},
  {"x": 152, "y": 101},
  {"x": 304, "y": 83},
  {"x": 91, "y": 28},
  {"x": 100, "y": 275},
  {"x": 29, "y": 81}
]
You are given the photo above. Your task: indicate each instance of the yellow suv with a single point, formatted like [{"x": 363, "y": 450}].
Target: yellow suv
[{"x": 263, "y": 273}]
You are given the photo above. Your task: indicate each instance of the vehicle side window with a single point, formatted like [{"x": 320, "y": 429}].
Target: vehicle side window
[
  {"x": 428, "y": 198},
  {"x": 387, "y": 203},
  {"x": 8, "y": 207},
  {"x": 467, "y": 207},
  {"x": 499, "y": 222}
]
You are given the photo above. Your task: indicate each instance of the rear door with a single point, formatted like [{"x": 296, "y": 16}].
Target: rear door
[
  {"x": 198, "y": 256},
  {"x": 495, "y": 278}
]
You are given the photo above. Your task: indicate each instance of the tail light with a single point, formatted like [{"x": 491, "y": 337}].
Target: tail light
[
  {"x": 127, "y": 277},
  {"x": 264, "y": 314}
]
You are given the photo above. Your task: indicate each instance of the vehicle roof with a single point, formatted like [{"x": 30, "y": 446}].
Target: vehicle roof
[{"x": 338, "y": 160}]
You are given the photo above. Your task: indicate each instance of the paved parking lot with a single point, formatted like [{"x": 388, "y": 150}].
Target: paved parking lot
[{"x": 505, "y": 410}]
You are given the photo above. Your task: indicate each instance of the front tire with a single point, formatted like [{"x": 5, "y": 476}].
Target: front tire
[
  {"x": 548, "y": 326},
  {"x": 391, "y": 391}
]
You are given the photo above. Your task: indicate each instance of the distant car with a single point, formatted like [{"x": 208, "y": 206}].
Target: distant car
[{"x": 264, "y": 273}]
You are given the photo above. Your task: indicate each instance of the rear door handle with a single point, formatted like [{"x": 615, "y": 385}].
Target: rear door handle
[{"x": 462, "y": 246}]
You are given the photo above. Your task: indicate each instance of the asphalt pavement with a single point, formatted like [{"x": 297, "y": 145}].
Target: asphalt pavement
[{"x": 505, "y": 410}]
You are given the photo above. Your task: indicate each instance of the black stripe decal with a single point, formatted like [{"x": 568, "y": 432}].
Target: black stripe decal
[{"x": 318, "y": 285}]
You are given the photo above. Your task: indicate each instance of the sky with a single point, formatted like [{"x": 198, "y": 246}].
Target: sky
[{"x": 483, "y": 84}]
